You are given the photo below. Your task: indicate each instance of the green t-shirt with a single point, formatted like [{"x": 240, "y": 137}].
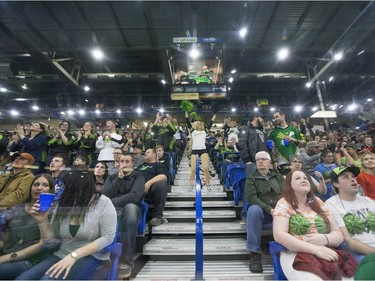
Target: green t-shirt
[
  {"x": 357, "y": 163},
  {"x": 285, "y": 151}
]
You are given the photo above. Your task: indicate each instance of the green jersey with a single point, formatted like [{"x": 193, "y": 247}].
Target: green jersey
[{"x": 285, "y": 150}]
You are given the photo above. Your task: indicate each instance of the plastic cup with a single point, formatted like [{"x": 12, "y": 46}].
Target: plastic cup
[
  {"x": 270, "y": 144},
  {"x": 45, "y": 201},
  {"x": 286, "y": 142}
]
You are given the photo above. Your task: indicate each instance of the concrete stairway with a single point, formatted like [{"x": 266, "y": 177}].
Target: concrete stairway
[{"x": 171, "y": 250}]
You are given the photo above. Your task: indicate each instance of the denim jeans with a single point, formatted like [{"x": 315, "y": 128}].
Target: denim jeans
[
  {"x": 129, "y": 218},
  {"x": 84, "y": 269},
  {"x": 10, "y": 270},
  {"x": 250, "y": 169},
  {"x": 254, "y": 223},
  {"x": 158, "y": 195}
]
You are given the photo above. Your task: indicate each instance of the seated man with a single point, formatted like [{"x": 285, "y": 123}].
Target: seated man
[
  {"x": 15, "y": 187},
  {"x": 262, "y": 191},
  {"x": 126, "y": 190},
  {"x": 354, "y": 214},
  {"x": 56, "y": 168},
  {"x": 137, "y": 155},
  {"x": 155, "y": 175}
]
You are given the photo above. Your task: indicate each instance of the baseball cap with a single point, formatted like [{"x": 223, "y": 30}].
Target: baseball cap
[
  {"x": 313, "y": 144},
  {"x": 341, "y": 169},
  {"x": 27, "y": 156}
]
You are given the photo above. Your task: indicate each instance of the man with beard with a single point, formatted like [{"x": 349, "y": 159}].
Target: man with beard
[
  {"x": 251, "y": 140},
  {"x": 286, "y": 139}
]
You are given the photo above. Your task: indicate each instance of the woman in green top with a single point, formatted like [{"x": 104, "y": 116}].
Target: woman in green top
[{"x": 20, "y": 245}]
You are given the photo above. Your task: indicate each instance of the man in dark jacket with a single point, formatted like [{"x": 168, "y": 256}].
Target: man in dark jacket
[
  {"x": 126, "y": 190},
  {"x": 262, "y": 191},
  {"x": 164, "y": 131}
]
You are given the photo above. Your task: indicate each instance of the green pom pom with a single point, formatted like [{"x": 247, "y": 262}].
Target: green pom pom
[
  {"x": 299, "y": 225},
  {"x": 320, "y": 224},
  {"x": 371, "y": 221},
  {"x": 354, "y": 224},
  {"x": 194, "y": 116},
  {"x": 187, "y": 106}
]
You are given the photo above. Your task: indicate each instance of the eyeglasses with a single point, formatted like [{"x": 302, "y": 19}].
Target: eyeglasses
[{"x": 262, "y": 159}]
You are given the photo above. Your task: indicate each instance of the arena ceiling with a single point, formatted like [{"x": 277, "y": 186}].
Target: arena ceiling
[{"x": 45, "y": 46}]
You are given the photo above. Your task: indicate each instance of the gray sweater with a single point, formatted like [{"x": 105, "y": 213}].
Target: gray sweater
[{"x": 99, "y": 226}]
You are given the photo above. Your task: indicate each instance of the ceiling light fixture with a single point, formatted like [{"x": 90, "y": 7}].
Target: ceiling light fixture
[
  {"x": 118, "y": 111},
  {"x": 243, "y": 32},
  {"x": 97, "y": 111},
  {"x": 352, "y": 106},
  {"x": 3, "y": 90},
  {"x": 81, "y": 112},
  {"x": 35, "y": 107},
  {"x": 361, "y": 52},
  {"x": 194, "y": 53},
  {"x": 161, "y": 110},
  {"x": 139, "y": 110},
  {"x": 283, "y": 53},
  {"x": 62, "y": 113},
  {"x": 24, "y": 86},
  {"x": 338, "y": 56},
  {"x": 234, "y": 109},
  {"x": 70, "y": 112},
  {"x": 308, "y": 85},
  {"x": 256, "y": 109},
  {"x": 233, "y": 71},
  {"x": 331, "y": 78},
  {"x": 272, "y": 109},
  {"x": 86, "y": 88},
  {"x": 369, "y": 99},
  {"x": 315, "y": 108},
  {"x": 163, "y": 82},
  {"x": 230, "y": 80},
  {"x": 298, "y": 108},
  {"x": 14, "y": 112},
  {"x": 97, "y": 54},
  {"x": 20, "y": 99}
]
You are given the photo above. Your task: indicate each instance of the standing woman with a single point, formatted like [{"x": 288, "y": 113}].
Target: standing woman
[
  {"x": 85, "y": 143},
  {"x": 198, "y": 136},
  {"x": 101, "y": 174},
  {"x": 83, "y": 224},
  {"x": 366, "y": 178},
  {"x": 325, "y": 167},
  {"x": 34, "y": 143},
  {"x": 20, "y": 245}
]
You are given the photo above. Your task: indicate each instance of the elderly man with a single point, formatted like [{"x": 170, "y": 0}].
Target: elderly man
[
  {"x": 155, "y": 175},
  {"x": 262, "y": 190},
  {"x": 15, "y": 187},
  {"x": 354, "y": 214}
]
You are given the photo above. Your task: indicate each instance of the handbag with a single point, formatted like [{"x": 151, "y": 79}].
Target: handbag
[{"x": 345, "y": 266}]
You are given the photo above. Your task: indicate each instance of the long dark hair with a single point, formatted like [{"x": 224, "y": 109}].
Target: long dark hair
[
  {"x": 290, "y": 197},
  {"x": 105, "y": 176},
  {"x": 78, "y": 196},
  {"x": 48, "y": 177}
]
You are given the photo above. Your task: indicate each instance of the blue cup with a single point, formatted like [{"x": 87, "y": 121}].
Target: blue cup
[
  {"x": 270, "y": 144},
  {"x": 45, "y": 201},
  {"x": 286, "y": 142}
]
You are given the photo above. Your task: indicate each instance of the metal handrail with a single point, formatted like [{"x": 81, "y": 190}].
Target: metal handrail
[{"x": 198, "y": 224}]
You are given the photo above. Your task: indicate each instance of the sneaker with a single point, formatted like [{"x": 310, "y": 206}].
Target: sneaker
[
  {"x": 255, "y": 263},
  {"x": 158, "y": 221},
  {"x": 243, "y": 221},
  {"x": 124, "y": 271}
]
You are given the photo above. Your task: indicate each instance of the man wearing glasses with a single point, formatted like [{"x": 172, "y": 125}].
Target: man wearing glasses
[
  {"x": 262, "y": 190},
  {"x": 113, "y": 166}
]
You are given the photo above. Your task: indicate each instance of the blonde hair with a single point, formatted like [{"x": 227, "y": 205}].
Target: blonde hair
[
  {"x": 194, "y": 125},
  {"x": 364, "y": 153}
]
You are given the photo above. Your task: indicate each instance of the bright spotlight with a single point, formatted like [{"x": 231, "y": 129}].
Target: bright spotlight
[
  {"x": 283, "y": 53},
  {"x": 352, "y": 106},
  {"x": 35, "y": 107},
  {"x": 161, "y": 110},
  {"x": 369, "y": 99},
  {"x": 338, "y": 56},
  {"x": 24, "y": 86},
  {"x": 230, "y": 80},
  {"x": 272, "y": 109},
  {"x": 163, "y": 82},
  {"x": 14, "y": 112},
  {"x": 308, "y": 85},
  {"x": 62, "y": 113},
  {"x": 97, "y": 54},
  {"x": 81, "y": 112},
  {"x": 331, "y": 78},
  {"x": 298, "y": 108},
  {"x": 97, "y": 111},
  {"x": 243, "y": 32},
  {"x": 139, "y": 110},
  {"x": 3, "y": 90},
  {"x": 70, "y": 112},
  {"x": 234, "y": 109},
  {"x": 86, "y": 88},
  {"x": 194, "y": 53},
  {"x": 118, "y": 111},
  {"x": 256, "y": 109},
  {"x": 315, "y": 108},
  {"x": 233, "y": 71}
]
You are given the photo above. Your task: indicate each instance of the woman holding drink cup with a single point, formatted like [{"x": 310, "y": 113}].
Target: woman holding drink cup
[
  {"x": 20, "y": 244},
  {"x": 83, "y": 223}
]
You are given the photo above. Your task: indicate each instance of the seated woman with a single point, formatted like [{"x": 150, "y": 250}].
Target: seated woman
[
  {"x": 302, "y": 223},
  {"x": 101, "y": 174},
  {"x": 20, "y": 245},
  {"x": 366, "y": 178},
  {"x": 83, "y": 223},
  {"x": 319, "y": 188},
  {"x": 325, "y": 167}
]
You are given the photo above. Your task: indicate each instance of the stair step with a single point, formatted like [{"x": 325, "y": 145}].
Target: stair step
[
  {"x": 191, "y": 204},
  {"x": 180, "y": 214},
  {"x": 205, "y": 194},
  {"x": 186, "y": 247},
  {"x": 187, "y": 188},
  {"x": 187, "y": 182},
  {"x": 212, "y": 270},
  {"x": 208, "y": 228}
]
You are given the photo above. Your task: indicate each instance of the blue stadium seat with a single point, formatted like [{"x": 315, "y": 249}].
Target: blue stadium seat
[
  {"x": 238, "y": 187},
  {"x": 231, "y": 171},
  {"x": 115, "y": 250},
  {"x": 275, "y": 249},
  {"x": 142, "y": 223}
]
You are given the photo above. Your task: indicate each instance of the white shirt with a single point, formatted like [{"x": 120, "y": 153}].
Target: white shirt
[{"x": 199, "y": 139}]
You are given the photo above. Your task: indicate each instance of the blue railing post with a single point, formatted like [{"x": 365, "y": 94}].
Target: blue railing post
[{"x": 198, "y": 225}]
